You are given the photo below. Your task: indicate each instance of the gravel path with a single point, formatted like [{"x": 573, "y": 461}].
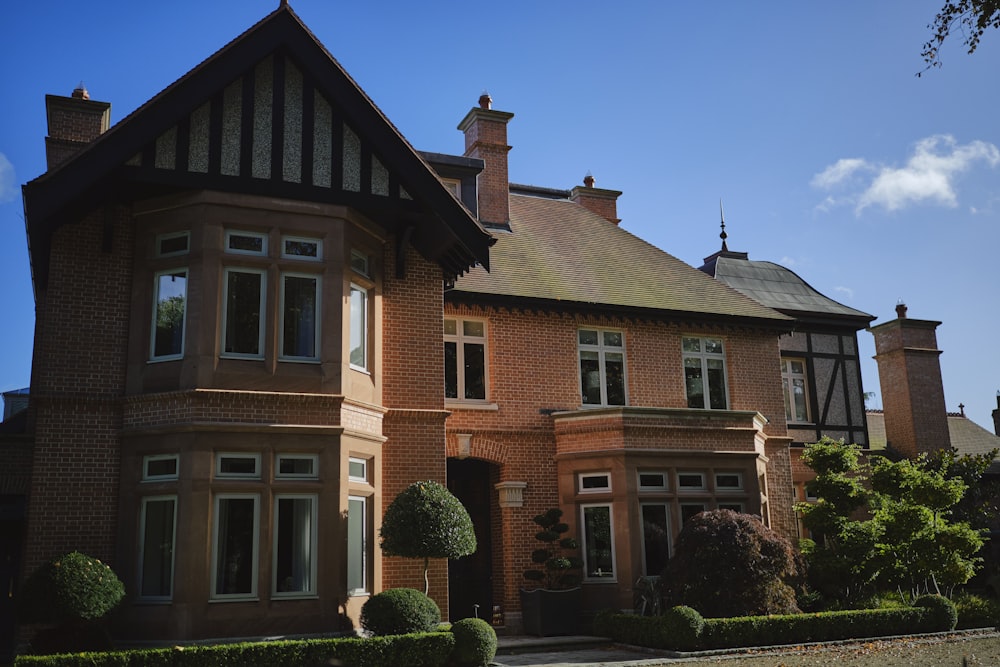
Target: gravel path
[{"x": 948, "y": 651}]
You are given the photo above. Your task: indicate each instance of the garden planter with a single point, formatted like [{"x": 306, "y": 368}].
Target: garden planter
[{"x": 547, "y": 612}]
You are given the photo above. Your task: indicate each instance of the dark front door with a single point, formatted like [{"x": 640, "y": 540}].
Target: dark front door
[{"x": 470, "y": 579}]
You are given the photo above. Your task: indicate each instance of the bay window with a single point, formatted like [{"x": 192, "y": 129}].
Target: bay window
[
  {"x": 156, "y": 550},
  {"x": 359, "y": 327},
  {"x": 169, "y": 314},
  {"x": 300, "y": 331},
  {"x": 598, "y": 543},
  {"x": 243, "y": 313},
  {"x": 234, "y": 546},
  {"x": 294, "y": 569},
  {"x": 357, "y": 545}
]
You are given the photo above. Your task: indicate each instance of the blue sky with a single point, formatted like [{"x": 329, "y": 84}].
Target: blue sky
[{"x": 806, "y": 119}]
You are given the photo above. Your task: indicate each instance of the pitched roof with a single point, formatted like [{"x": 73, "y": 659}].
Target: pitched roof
[
  {"x": 967, "y": 437},
  {"x": 560, "y": 254},
  {"x": 778, "y": 287},
  {"x": 145, "y": 154}
]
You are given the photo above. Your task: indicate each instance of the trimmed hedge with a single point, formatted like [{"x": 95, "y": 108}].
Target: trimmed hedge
[
  {"x": 400, "y": 611},
  {"x": 420, "y": 650},
  {"x": 674, "y": 629}
]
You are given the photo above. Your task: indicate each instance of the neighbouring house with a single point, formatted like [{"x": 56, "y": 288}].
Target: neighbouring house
[{"x": 261, "y": 314}]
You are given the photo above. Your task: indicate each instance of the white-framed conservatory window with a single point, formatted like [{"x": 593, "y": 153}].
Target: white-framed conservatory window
[
  {"x": 704, "y": 373},
  {"x": 158, "y": 534},
  {"x": 598, "y": 543},
  {"x": 300, "y": 317},
  {"x": 296, "y": 466},
  {"x": 169, "y": 314},
  {"x": 235, "y": 536},
  {"x": 655, "y": 537},
  {"x": 602, "y": 366},
  {"x": 357, "y": 545},
  {"x": 594, "y": 482},
  {"x": 246, "y": 243},
  {"x": 243, "y": 313},
  {"x": 159, "y": 467},
  {"x": 295, "y": 558},
  {"x": 465, "y": 359},
  {"x": 237, "y": 465}
]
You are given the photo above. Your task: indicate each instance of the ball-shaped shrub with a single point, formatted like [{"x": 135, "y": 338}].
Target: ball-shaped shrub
[
  {"x": 941, "y": 612},
  {"x": 71, "y": 588},
  {"x": 683, "y": 625},
  {"x": 400, "y": 611},
  {"x": 475, "y": 642}
]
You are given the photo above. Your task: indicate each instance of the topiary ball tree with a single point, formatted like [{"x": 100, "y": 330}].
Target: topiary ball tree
[
  {"x": 727, "y": 564},
  {"x": 400, "y": 611},
  {"x": 475, "y": 643},
  {"x": 427, "y": 521}
]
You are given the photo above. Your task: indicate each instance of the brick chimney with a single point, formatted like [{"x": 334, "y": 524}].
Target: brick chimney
[
  {"x": 916, "y": 419},
  {"x": 73, "y": 123},
  {"x": 602, "y": 202},
  {"x": 996, "y": 416},
  {"x": 486, "y": 138}
]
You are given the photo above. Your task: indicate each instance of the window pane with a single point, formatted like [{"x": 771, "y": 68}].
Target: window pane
[
  {"x": 693, "y": 383},
  {"x": 594, "y": 482},
  {"x": 299, "y": 317},
  {"x": 690, "y": 480},
  {"x": 590, "y": 377},
  {"x": 357, "y": 547},
  {"x": 171, "y": 295},
  {"x": 691, "y": 345},
  {"x": 655, "y": 539},
  {"x": 297, "y": 466},
  {"x": 450, "y": 370},
  {"x": 652, "y": 480},
  {"x": 588, "y": 337},
  {"x": 301, "y": 248},
  {"x": 173, "y": 245},
  {"x": 157, "y": 548},
  {"x": 613, "y": 338},
  {"x": 475, "y": 370},
  {"x": 688, "y": 511},
  {"x": 713, "y": 346},
  {"x": 473, "y": 328},
  {"x": 799, "y": 400},
  {"x": 614, "y": 369},
  {"x": 247, "y": 243},
  {"x": 716, "y": 384},
  {"x": 359, "y": 328},
  {"x": 359, "y": 262},
  {"x": 597, "y": 542},
  {"x": 243, "y": 291},
  {"x": 294, "y": 544},
  {"x": 238, "y": 465},
  {"x": 797, "y": 366},
  {"x": 730, "y": 481},
  {"x": 450, "y": 328},
  {"x": 357, "y": 469},
  {"x": 160, "y": 467},
  {"x": 234, "y": 567}
]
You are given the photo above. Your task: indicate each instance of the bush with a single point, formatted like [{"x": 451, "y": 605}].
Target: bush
[
  {"x": 73, "y": 587},
  {"x": 475, "y": 642},
  {"x": 942, "y": 615},
  {"x": 727, "y": 564},
  {"x": 684, "y": 625},
  {"x": 400, "y": 611},
  {"x": 975, "y": 611}
]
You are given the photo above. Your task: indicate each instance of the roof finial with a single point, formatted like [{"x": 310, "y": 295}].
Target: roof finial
[{"x": 723, "y": 235}]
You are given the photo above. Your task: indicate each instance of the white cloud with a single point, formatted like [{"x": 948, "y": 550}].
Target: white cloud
[
  {"x": 927, "y": 177},
  {"x": 8, "y": 191},
  {"x": 846, "y": 290}
]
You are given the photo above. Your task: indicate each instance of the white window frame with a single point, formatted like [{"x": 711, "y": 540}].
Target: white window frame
[
  {"x": 646, "y": 488},
  {"x": 302, "y": 239},
  {"x": 262, "y": 313},
  {"x": 788, "y": 378},
  {"x": 142, "y": 547},
  {"x": 160, "y": 238},
  {"x": 359, "y": 461},
  {"x": 219, "y": 456},
  {"x": 581, "y": 488},
  {"x": 152, "y": 458},
  {"x": 363, "y": 558},
  {"x": 156, "y": 308},
  {"x": 461, "y": 339},
  {"x": 364, "y": 321},
  {"x": 602, "y": 349},
  {"x": 361, "y": 263},
  {"x": 312, "y": 458},
  {"x": 704, "y": 357},
  {"x": 686, "y": 488},
  {"x": 587, "y": 577},
  {"x": 454, "y": 186},
  {"x": 313, "y": 545},
  {"x": 230, "y": 233},
  {"x": 729, "y": 489},
  {"x": 318, "y": 316},
  {"x": 255, "y": 546},
  {"x": 642, "y": 533}
]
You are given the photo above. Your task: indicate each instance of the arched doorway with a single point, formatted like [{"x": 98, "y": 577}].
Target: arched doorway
[{"x": 470, "y": 579}]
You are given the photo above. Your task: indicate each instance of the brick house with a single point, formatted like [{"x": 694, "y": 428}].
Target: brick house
[{"x": 261, "y": 313}]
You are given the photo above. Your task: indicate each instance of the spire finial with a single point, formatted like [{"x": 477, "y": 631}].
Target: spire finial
[{"x": 723, "y": 235}]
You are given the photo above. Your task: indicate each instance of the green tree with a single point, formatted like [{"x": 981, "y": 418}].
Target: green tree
[
  {"x": 972, "y": 17},
  {"x": 884, "y": 525},
  {"x": 427, "y": 521}
]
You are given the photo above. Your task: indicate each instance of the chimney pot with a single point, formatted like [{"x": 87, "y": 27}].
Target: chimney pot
[
  {"x": 901, "y": 310},
  {"x": 588, "y": 180},
  {"x": 485, "y": 101},
  {"x": 80, "y": 92}
]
